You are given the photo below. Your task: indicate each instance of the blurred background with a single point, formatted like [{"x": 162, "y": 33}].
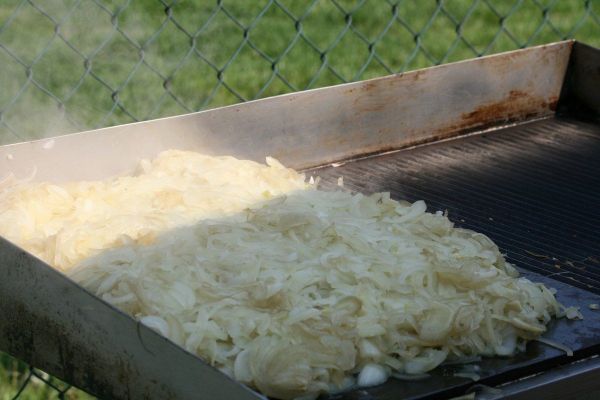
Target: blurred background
[{"x": 71, "y": 65}]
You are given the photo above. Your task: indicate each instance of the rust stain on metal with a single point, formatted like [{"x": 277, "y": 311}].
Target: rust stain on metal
[
  {"x": 516, "y": 94},
  {"x": 369, "y": 86},
  {"x": 518, "y": 105},
  {"x": 417, "y": 74},
  {"x": 364, "y": 86},
  {"x": 373, "y": 106}
]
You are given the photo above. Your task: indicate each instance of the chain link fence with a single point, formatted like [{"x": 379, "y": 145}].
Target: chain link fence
[
  {"x": 20, "y": 381},
  {"x": 70, "y": 65}
]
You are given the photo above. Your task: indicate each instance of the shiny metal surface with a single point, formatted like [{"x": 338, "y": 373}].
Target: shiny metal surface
[
  {"x": 531, "y": 188},
  {"x": 576, "y": 381},
  {"x": 54, "y": 324},
  {"x": 319, "y": 126},
  {"x": 51, "y": 322}
]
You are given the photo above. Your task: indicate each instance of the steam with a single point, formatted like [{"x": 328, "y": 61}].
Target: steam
[{"x": 46, "y": 86}]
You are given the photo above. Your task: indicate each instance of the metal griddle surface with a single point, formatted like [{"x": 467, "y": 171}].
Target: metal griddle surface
[{"x": 532, "y": 188}]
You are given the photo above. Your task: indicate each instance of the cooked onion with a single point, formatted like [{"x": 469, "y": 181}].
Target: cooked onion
[
  {"x": 372, "y": 375},
  {"x": 410, "y": 377},
  {"x": 65, "y": 224},
  {"x": 573, "y": 313},
  {"x": 556, "y": 345},
  {"x": 288, "y": 288},
  {"x": 468, "y": 375}
]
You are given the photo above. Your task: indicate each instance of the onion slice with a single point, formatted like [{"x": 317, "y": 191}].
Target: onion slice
[{"x": 556, "y": 345}]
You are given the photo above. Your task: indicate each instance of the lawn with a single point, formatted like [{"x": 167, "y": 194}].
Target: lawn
[
  {"x": 75, "y": 64},
  {"x": 68, "y": 65},
  {"x": 14, "y": 380}
]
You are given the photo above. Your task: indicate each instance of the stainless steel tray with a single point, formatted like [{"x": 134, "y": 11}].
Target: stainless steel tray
[{"x": 374, "y": 126}]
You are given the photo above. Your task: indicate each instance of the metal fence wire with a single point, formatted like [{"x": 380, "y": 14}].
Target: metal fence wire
[
  {"x": 20, "y": 381},
  {"x": 69, "y": 65}
]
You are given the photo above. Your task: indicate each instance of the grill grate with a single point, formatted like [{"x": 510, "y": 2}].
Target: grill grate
[{"x": 533, "y": 188}]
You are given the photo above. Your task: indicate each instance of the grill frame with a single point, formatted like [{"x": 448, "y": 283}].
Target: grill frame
[{"x": 54, "y": 324}]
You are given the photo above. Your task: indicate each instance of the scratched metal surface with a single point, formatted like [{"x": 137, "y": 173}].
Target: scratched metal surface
[
  {"x": 49, "y": 321},
  {"x": 532, "y": 188},
  {"x": 318, "y": 126},
  {"x": 52, "y": 323}
]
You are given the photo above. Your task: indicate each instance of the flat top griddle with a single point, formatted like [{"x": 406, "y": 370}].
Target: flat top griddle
[
  {"x": 533, "y": 188},
  {"x": 508, "y": 144}
]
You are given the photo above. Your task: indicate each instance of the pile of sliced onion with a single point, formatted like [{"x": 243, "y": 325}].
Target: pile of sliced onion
[{"x": 290, "y": 289}]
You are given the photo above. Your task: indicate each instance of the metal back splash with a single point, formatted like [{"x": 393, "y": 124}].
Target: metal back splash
[
  {"x": 320, "y": 126},
  {"x": 54, "y": 324}
]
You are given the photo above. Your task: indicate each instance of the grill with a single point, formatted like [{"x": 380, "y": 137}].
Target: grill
[
  {"x": 532, "y": 188},
  {"x": 508, "y": 145}
]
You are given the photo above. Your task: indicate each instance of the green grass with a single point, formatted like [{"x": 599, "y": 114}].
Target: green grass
[
  {"x": 13, "y": 378},
  {"x": 184, "y": 53},
  {"x": 273, "y": 58}
]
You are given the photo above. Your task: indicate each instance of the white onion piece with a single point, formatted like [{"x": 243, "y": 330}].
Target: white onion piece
[
  {"x": 372, "y": 375},
  {"x": 573, "y": 313},
  {"x": 556, "y": 345},
  {"x": 290, "y": 289},
  {"x": 241, "y": 367},
  {"x": 157, "y": 324},
  {"x": 369, "y": 350},
  {"x": 508, "y": 345},
  {"x": 430, "y": 359},
  {"x": 411, "y": 377},
  {"x": 469, "y": 375}
]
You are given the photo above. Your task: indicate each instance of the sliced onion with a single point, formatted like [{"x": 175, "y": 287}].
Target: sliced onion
[
  {"x": 556, "y": 345},
  {"x": 372, "y": 375},
  {"x": 410, "y": 377},
  {"x": 288, "y": 288},
  {"x": 156, "y": 323}
]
